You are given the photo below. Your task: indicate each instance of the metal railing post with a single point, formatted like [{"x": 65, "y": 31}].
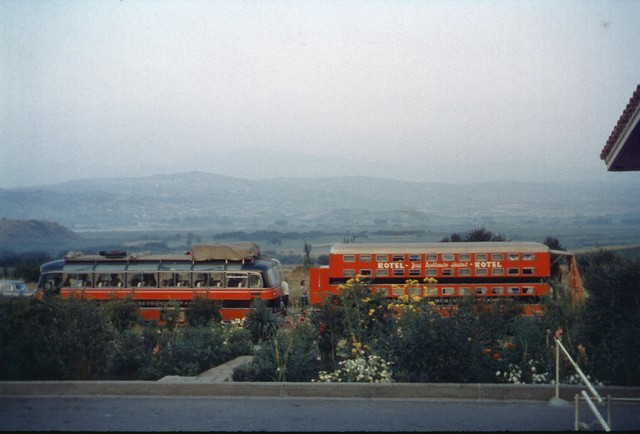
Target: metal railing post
[
  {"x": 580, "y": 373},
  {"x": 557, "y": 372},
  {"x": 576, "y": 423},
  {"x": 595, "y": 411}
]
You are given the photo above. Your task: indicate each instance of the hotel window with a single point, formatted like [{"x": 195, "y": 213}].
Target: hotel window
[
  {"x": 464, "y": 291},
  {"x": 382, "y": 290},
  {"x": 397, "y": 291}
]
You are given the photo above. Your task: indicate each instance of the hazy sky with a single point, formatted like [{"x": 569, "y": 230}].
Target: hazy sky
[{"x": 422, "y": 90}]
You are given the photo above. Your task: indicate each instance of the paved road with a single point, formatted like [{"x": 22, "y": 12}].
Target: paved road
[{"x": 147, "y": 413}]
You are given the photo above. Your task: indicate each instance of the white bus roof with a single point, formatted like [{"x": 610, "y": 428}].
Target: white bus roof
[{"x": 418, "y": 248}]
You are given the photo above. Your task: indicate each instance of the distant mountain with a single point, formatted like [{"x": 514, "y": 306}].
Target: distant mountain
[
  {"x": 32, "y": 232},
  {"x": 205, "y": 200}
]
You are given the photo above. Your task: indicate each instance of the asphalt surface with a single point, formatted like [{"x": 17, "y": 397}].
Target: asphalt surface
[
  {"x": 204, "y": 403},
  {"x": 145, "y": 413}
]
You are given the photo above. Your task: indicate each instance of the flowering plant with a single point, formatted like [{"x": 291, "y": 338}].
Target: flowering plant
[{"x": 363, "y": 368}]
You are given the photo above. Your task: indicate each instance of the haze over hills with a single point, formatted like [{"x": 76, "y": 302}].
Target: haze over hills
[{"x": 203, "y": 200}]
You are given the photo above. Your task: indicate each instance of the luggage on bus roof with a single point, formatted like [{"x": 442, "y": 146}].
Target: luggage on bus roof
[{"x": 230, "y": 252}]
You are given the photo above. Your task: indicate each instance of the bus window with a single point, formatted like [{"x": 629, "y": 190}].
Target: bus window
[
  {"x": 397, "y": 258},
  {"x": 497, "y": 271},
  {"x": 200, "y": 280},
  {"x": 216, "y": 279},
  {"x": 497, "y": 256},
  {"x": 237, "y": 280},
  {"x": 255, "y": 280},
  {"x": 134, "y": 280},
  {"x": 365, "y": 272},
  {"x": 382, "y": 272},
  {"x": 184, "y": 280},
  {"x": 365, "y": 258},
  {"x": 528, "y": 256},
  {"x": 397, "y": 290},
  {"x": 481, "y": 257},
  {"x": 382, "y": 258},
  {"x": 431, "y": 257},
  {"x": 72, "y": 280},
  {"x": 464, "y": 272},
  {"x": 167, "y": 280},
  {"x": 349, "y": 258},
  {"x": 464, "y": 291},
  {"x": 448, "y": 257},
  {"x": 464, "y": 257}
]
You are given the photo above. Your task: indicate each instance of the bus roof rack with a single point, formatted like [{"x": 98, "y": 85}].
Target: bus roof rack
[
  {"x": 113, "y": 253},
  {"x": 227, "y": 252}
]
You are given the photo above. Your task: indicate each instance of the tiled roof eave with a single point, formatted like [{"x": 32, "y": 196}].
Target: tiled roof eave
[{"x": 623, "y": 122}]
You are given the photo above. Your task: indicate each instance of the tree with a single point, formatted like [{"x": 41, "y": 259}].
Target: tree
[
  {"x": 307, "y": 255},
  {"x": 553, "y": 243},
  {"x": 482, "y": 234}
]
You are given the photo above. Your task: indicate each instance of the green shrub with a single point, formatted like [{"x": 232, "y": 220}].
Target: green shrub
[
  {"x": 203, "y": 311},
  {"x": 122, "y": 313},
  {"x": 261, "y": 322},
  {"x": 187, "y": 351},
  {"x": 290, "y": 355}
]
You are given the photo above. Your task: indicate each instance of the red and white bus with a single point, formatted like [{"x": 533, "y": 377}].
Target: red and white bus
[
  {"x": 232, "y": 275},
  {"x": 519, "y": 270}
]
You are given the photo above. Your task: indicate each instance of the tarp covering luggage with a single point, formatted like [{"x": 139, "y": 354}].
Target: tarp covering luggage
[{"x": 228, "y": 252}]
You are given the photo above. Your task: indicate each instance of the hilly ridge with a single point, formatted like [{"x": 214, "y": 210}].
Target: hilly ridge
[{"x": 206, "y": 200}]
